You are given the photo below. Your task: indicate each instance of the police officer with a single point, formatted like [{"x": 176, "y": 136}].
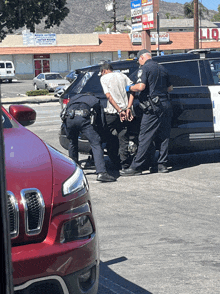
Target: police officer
[
  {"x": 79, "y": 112},
  {"x": 153, "y": 84}
]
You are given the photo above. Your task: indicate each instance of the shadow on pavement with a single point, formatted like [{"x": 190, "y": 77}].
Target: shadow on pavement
[
  {"x": 110, "y": 282},
  {"x": 182, "y": 161}
]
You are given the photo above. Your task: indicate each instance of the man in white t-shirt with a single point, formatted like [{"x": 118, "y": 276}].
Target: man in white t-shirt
[{"x": 114, "y": 84}]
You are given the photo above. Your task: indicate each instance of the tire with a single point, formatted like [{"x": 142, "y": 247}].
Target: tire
[
  {"x": 36, "y": 87},
  {"x": 10, "y": 81}
]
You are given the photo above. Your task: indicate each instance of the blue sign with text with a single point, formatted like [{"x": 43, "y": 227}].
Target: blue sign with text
[{"x": 135, "y": 4}]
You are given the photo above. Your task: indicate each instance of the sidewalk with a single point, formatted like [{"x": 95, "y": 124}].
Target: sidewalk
[{"x": 30, "y": 99}]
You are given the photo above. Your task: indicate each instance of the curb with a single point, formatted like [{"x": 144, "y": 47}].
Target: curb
[{"x": 27, "y": 100}]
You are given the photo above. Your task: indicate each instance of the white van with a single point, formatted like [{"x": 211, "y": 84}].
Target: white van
[{"x": 7, "y": 71}]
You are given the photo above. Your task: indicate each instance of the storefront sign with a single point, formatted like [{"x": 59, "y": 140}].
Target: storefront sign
[
  {"x": 148, "y": 10},
  {"x": 163, "y": 37},
  {"x": 148, "y": 21},
  {"x": 136, "y": 38},
  {"x": 136, "y": 19},
  {"x": 210, "y": 34},
  {"x": 137, "y": 27},
  {"x": 45, "y": 39},
  {"x": 146, "y": 2},
  {"x": 135, "y": 4},
  {"x": 31, "y": 39},
  {"x": 136, "y": 12}
]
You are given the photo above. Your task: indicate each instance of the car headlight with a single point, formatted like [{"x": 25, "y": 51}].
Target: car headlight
[
  {"x": 76, "y": 183},
  {"x": 76, "y": 229}
]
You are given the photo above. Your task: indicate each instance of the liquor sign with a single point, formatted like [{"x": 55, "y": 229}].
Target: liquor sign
[
  {"x": 163, "y": 37},
  {"x": 210, "y": 34}
]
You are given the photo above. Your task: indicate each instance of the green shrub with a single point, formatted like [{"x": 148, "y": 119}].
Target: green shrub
[{"x": 37, "y": 92}]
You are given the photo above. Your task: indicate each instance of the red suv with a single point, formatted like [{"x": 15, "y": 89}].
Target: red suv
[{"x": 53, "y": 232}]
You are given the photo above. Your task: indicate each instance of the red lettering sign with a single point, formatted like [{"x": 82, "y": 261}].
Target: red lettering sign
[{"x": 215, "y": 34}]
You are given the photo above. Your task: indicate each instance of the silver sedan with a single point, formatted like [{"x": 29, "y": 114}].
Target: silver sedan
[{"x": 49, "y": 81}]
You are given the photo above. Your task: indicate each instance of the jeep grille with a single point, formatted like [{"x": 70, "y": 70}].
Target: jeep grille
[
  {"x": 13, "y": 214},
  {"x": 34, "y": 209}
]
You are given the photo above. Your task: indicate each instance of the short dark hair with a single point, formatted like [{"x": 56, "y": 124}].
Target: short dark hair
[{"x": 107, "y": 66}]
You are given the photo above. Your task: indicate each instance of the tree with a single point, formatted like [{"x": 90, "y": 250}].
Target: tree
[
  {"x": 15, "y": 14},
  {"x": 216, "y": 17},
  {"x": 189, "y": 9}
]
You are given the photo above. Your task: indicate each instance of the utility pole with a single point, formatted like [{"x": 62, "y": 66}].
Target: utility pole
[
  {"x": 114, "y": 16},
  {"x": 196, "y": 24},
  {"x": 158, "y": 34}
]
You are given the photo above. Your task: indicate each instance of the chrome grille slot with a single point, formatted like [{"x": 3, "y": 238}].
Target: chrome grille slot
[
  {"x": 34, "y": 209},
  {"x": 13, "y": 212}
]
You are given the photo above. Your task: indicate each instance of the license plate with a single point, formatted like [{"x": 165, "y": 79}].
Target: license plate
[{"x": 8, "y": 71}]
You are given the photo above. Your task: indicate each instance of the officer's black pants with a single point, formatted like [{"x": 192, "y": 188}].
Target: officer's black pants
[
  {"x": 117, "y": 145},
  {"x": 80, "y": 124},
  {"x": 154, "y": 128}
]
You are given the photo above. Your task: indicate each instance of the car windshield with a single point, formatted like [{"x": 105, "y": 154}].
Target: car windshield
[
  {"x": 7, "y": 123},
  {"x": 53, "y": 77}
]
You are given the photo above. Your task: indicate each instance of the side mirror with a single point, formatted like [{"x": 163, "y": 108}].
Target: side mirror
[{"x": 25, "y": 115}]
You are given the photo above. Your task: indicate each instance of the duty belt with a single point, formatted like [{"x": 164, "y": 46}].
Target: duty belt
[{"x": 80, "y": 112}]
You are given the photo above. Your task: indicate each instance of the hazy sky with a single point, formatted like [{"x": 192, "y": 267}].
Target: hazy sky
[{"x": 210, "y": 4}]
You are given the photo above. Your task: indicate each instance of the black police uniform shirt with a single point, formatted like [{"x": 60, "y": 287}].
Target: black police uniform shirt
[{"x": 155, "y": 77}]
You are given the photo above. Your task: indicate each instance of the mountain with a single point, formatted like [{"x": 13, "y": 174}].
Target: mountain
[{"x": 86, "y": 15}]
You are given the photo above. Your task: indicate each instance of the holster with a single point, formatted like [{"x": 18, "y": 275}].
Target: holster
[{"x": 150, "y": 104}]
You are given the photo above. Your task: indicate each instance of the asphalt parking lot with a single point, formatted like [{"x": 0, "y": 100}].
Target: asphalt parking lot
[
  {"x": 17, "y": 88},
  {"x": 159, "y": 233}
]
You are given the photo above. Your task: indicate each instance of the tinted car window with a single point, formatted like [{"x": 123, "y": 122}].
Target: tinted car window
[
  {"x": 8, "y": 65},
  {"x": 184, "y": 73},
  {"x": 2, "y": 65},
  {"x": 215, "y": 71}
]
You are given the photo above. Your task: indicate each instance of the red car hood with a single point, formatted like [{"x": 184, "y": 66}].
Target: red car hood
[
  {"x": 27, "y": 160},
  {"x": 28, "y": 165}
]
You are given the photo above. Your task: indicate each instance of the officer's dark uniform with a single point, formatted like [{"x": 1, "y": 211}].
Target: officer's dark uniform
[
  {"x": 79, "y": 120},
  {"x": 156, "y": 121}
]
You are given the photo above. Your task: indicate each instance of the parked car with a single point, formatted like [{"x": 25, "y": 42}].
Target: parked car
[
  {"x": 52, "y": 227},
  {"x": 71, "y": 76},
  {"x": 60, "y": 90},
  {"x": 195, "y": 98},
  {"x": 49, "y": 81},
  {"x": 7, "y": 71}
]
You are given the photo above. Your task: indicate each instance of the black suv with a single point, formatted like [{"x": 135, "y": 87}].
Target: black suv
[{"x": 195, "y": 98}]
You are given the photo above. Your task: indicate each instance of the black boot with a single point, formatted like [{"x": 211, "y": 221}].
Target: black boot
[{"x": 105, "y": 177}]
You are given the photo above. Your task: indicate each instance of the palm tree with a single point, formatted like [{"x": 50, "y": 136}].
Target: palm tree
[{"x": 189, "y": 9}]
